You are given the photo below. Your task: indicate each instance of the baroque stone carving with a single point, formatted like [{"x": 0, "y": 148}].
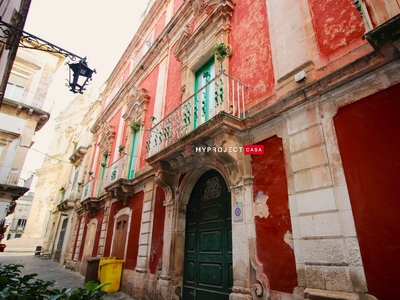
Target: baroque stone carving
[
  {"x": 197, "y": 6},
  {"x": 137, "y": 105},
  {"x": 122, "y": 192}
]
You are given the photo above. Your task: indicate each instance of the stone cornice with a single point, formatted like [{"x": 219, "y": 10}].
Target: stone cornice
[
  {"x": 41, "y": 116},
  {"x": 260, "y": 114}
]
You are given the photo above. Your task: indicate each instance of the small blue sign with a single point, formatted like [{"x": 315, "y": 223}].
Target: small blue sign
[{"x": 238, "y": 212}]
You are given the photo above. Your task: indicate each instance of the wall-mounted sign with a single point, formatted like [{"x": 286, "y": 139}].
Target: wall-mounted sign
[{"x": 238, "y": 212}]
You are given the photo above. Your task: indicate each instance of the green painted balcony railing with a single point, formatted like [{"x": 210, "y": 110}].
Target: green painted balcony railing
[{"x": 222, "y": 93}]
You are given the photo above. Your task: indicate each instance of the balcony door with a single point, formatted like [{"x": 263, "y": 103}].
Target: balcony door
[{"x": 204, "y": 93}]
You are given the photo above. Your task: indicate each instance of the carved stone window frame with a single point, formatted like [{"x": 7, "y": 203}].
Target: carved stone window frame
[{"x": 210, "y": 24}]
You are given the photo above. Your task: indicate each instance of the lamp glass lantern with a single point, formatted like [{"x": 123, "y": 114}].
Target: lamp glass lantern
[{"x": 79, "y": 76}]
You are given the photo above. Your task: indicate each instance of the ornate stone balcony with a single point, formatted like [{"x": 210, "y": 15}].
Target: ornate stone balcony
[
  {"x": 88, "y": 190},
  {"x": 115, "y": 171},
  {"x": 223, "y": 93}
]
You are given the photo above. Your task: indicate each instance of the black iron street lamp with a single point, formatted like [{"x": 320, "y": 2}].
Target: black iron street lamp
[{"x": 79, "y": 73}]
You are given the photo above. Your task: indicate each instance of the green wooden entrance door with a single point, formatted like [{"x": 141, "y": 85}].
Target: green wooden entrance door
[{"x": 208, "y": 241}]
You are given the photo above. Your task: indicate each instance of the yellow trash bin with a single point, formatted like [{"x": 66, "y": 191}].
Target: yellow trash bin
[{"x": 110, "y": 271}]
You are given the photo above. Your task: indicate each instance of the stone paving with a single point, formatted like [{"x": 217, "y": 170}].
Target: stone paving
[{"x": 50, "y": 270}]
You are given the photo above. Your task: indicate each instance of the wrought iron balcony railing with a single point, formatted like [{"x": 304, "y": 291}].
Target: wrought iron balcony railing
[
  {"x": 93, "y": 189},
  {"x": 88, "y": 189},
  {"x": 222, "y": 93},
  {"x": 115, "y": 171}
]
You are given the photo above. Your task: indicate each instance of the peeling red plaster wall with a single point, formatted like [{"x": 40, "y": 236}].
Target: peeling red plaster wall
[
  {"x": 336, "y": 23},
  {"x": 273, "y": 224},
  {"x": 136, "y": 204},
  {"x": 157, "y": 239},
  {"x": 99, "y": 217},
  {"x": 251, "y": 60},
  {"x": 174, "y": 83},
  {"x": 368, "y": 136},
  {"x": 110, "y": 226},
  {"x": 150, "y": 84},
  {"x": 83, "y": 238}
]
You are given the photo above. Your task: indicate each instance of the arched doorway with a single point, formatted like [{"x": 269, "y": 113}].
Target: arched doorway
[{"x": 208, "y": 240}]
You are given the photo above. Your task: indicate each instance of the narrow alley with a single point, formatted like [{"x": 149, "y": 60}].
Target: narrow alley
[{"x": 49, "y": 270}]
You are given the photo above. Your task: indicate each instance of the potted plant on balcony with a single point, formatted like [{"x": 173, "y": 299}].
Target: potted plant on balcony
[
  {"x": 121, "y": 149},
  {"x": 221, "y": 51},
  {"x": 62, "y": 190},
  {"x": 135, "y": 126}
]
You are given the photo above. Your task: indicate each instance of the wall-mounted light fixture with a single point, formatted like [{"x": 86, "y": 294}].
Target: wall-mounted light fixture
[{"x": 79, "y": 73}]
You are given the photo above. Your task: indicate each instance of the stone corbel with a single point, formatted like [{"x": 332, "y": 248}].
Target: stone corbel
[
  {"x": 91, "y": 206},
  {"x": 122, "y": 192},
  {"x": 167, "y": 178},
  {"x": 227, "y": 140}
]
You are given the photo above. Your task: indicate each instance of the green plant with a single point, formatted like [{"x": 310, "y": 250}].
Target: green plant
[
  {"x": 90, "y": 173},
  {"x": 135, "y": 126},
  {"x": 13, "y": 286},
  {"x": 221, "y": 51},
  {"x": 62, "y": 190},
  {"x": 121, "y": 148}
]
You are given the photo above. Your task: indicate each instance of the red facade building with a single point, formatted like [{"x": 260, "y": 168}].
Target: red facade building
[{"x": 173, "y": 193}]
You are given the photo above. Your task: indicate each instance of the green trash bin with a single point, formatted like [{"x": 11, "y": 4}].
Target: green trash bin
[{"x": 110, "y": 271}]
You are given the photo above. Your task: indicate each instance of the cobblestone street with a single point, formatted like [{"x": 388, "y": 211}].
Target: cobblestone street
[{"x": 50, "y": 270}]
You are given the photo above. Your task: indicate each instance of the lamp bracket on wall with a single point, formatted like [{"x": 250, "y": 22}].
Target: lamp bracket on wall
[
  {"x": 15, "y": 37},
  {"x": 80, "y": 74}
]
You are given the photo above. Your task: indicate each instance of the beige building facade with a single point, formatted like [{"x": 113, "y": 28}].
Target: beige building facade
[
  {"x": 24, "y": 111},
  {"x": 60, "y": 178}
]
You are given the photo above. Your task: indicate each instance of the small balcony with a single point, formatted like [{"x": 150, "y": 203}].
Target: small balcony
[
  {"x": 91, "y": 193},
  {"x": 71, "y": 193},
  {"x": 13, "y": 186},
  {"x": 223, "y": 93},
  {"x": 12, "y": 177},
  {"x": 381, "y": 21},
  {"x": 115, "y": 171},
  {"x": 80, "y": 149},
  {"x": 33, "y": 100},
  {"x": 88, "y": 190}
]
